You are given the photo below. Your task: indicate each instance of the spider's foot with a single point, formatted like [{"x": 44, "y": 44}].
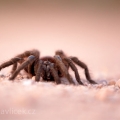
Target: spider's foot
[
  {"x": 0, "y": 68},
  {"x": 92, "y": 81},
  {"x": 10, "y": 79},
  {"x": 80, "y": 83}
]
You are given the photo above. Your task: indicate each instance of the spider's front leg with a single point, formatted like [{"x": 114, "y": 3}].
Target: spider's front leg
[
  {"x": 84, "y": 66},
  {"x": 29, "y": 60},
  {"x": 39, "y": 70},
  {"x": 14, "y": 67},
  {"x": 26, "y": 54},
  {"x": 10, "y": 62},
  {"x": 63, "y": 68},
  {"x": 54, "y": 73}
]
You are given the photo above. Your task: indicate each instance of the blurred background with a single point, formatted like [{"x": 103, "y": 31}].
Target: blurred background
[{"x": 89, "y": 29}]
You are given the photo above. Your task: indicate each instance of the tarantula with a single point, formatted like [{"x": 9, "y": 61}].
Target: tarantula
[{"x": 49, "y": 68}]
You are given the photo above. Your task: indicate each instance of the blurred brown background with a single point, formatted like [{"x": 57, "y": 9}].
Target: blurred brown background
[{"x": 89, "y": 29}]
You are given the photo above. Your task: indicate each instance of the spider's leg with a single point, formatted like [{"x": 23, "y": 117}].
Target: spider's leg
[
  {"x": 60, "y": 53},
  {"x": 39, "y": 70},
  {"x": 63, "y": 68},
  {"x": 14, "y": 67},
  {"x": 73, "y": 67},
  {"x": 28, "y": 53},
  {"x": 10, "y": 62},
  {"x": 29, "y": 60},
  {"x": 84, "y": 66},
  {"x": 54, "y": 73}
]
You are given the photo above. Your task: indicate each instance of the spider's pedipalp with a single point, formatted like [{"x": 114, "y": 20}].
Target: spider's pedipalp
[
  {"x": 73, "y": 67},
  {"x": 63, "y": 68},
  {"x": 84, "y": 66},
  {"x": 29, "y": 60}
]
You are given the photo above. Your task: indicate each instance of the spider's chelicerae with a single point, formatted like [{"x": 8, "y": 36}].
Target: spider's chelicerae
[{"x": 49, "y": 68}]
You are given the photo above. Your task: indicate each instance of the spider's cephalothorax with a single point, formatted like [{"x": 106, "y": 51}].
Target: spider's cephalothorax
[{"x": 49, "y": 68}]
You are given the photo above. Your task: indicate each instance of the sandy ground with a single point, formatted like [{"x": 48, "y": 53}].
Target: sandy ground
[
  {"x": 89, "y": 31},
  {"x": 26, "y": 99}
]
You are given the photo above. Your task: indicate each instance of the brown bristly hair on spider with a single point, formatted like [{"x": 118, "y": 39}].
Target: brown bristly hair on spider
[{"x": 48, "y": 67}]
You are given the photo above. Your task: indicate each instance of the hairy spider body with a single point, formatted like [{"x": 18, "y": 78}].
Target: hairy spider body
[{"x": 49, "y": 68}]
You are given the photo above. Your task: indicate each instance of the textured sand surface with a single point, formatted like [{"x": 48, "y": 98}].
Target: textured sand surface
[{"x": 26, "y": 99}]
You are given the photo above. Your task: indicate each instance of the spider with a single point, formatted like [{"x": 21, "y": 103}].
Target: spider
[{"x": 49, "y": 68}]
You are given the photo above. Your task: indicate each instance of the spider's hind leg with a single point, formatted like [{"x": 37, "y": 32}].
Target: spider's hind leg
[{"x": 84, "y": 66}]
